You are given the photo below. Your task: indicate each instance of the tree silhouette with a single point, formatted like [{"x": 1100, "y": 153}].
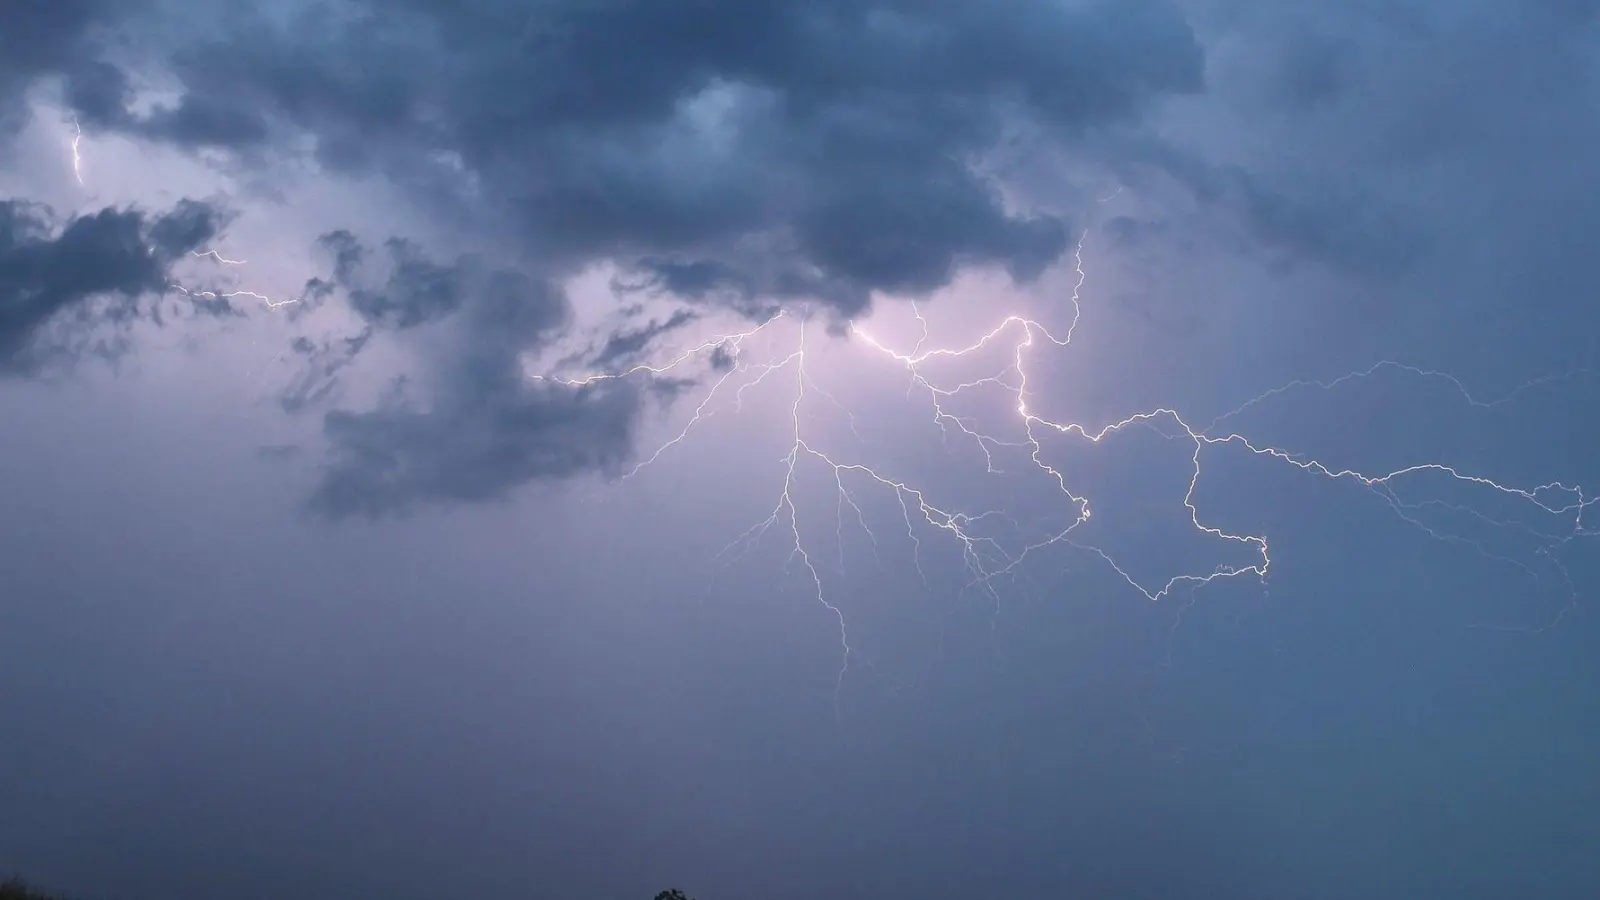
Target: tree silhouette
[{"x": 673, "y": 895}]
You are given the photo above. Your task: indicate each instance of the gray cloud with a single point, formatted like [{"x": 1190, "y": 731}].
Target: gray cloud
[
  {"x": 1324, "y": 216},
  {"x": 321, "y": 364},
  {"x": 474, "y": 447},
  {"x": 1379, "y": 136},
  {"x": 744, "y": 153},
  {"x": 48, "y": 37},
  {"x": 627, "y": 343},
  {"x": 749, "y": 153},
  {"x": 48, "y": 273},
  {"x": 822, "y": 149},
  {"x": 485, "y": 428},
  {"x": 99, "y": 92}
]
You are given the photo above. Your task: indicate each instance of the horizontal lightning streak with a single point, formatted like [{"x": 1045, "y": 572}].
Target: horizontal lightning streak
[
  {"x": 198, "y": 254},
  {"x": 228, "y": 295},
  {"x": 269, "y": 302}
]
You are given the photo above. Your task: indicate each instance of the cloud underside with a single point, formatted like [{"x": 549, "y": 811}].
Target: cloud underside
[
  {"x": 739, "y": 154},
  {"x": 733, "y": 153},
  {"x": 823, "y": 150},
  {"x": 390, "y": 461}
]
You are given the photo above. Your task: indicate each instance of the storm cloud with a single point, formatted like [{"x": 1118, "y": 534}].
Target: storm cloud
[
  {"x": 44, "y": 38},
  {"x": 324, "y": 599},
  {"x": 819, "y": 150},
  {"x": 746, "y": 155},
  {"x": 735, "y": 154},
  {"x": 49, "y": 273},
  {"x": 483, "y": 427}
]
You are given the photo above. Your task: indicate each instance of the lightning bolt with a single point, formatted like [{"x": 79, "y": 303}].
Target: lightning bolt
[
  {"x": 987, "y": 558},
  {"x": 198, "y": 254},
  {"x": 266, "y": 301},
  {"x": 77, "y": 156}
]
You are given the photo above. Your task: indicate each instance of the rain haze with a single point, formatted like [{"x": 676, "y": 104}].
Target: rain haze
[{"x": 799, "y": 448}]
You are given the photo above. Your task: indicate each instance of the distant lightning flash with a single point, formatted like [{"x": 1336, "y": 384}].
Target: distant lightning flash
[
  {"x": 77, "y": 155},
  {"x": 269, "y": 302},
  {"x": 987, "y": 558}
]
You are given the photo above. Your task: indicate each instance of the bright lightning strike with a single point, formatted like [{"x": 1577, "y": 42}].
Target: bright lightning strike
[{"x": 988, "y": 558}]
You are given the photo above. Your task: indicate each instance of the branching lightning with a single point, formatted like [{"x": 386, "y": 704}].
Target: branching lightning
[{"x": 987, "y": 558}]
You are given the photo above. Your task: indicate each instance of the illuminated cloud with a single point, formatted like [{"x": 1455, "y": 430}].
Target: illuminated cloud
[
  {"x": 759, "y": 155},
  {"x": 738, "y": 154}
]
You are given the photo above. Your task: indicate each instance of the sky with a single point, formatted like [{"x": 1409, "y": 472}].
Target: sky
[{"x": 880, "y": 449}]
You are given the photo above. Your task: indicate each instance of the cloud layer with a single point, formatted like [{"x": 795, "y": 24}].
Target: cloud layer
[
  {"x": 727, "y": 152},
  {"x": 778, "y": 149},
  {"x": 746, "y": 154}
]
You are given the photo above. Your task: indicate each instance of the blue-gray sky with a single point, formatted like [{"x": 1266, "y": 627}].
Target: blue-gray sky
[{"x": 319, "y": 574}]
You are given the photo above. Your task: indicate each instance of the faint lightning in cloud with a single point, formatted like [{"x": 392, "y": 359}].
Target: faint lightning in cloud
[
  {"x": 988, "y": 556},
  {"x": 77, "y": 155},
  {"x": 266, "y": 301},
  {"x": 1389, "y": 364},
  {"x": 216, "y": 256}
]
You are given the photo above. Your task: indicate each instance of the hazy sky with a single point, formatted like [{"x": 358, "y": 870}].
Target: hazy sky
[{"x": 328, "y": 570}]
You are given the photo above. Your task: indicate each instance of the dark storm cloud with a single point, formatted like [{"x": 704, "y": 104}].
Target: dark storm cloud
[
  {"x": 735, "y": 152},
  {"x": 625, "y": 344},
  {"x": 48, "y": 273},
  {"x": 40, "y": 38},
  {"x": 1386, "y": 126},
  {"x": 486, "y": 427},
  {"x": 414, "y": 290},
  {"x": 1312, "y": 70},
  {"x": 477, "y": 447},
  {"x": 1327, "y": 217},
  {"x": 98, "y": 91},
  {"x": 817, "y": 149}
]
